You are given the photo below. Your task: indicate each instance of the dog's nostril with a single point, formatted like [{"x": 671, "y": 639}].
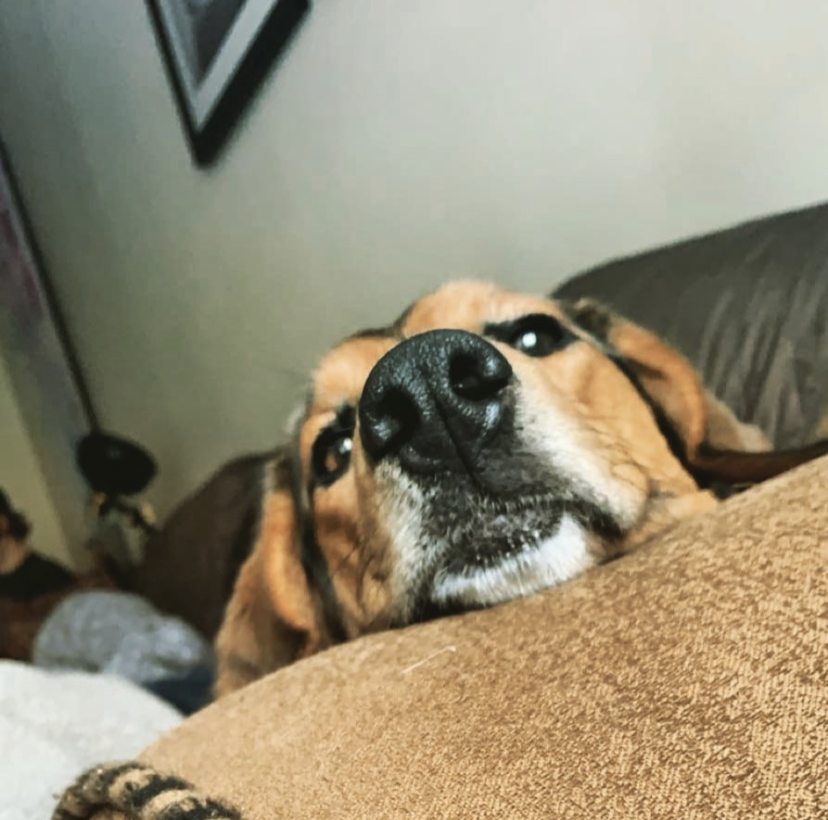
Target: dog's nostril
[
  {"x": 476, "y": 378},
  {"x": 395, "y": 420}
]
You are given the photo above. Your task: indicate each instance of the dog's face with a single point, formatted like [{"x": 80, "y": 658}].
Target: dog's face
[{"x": 484, "y": 447}]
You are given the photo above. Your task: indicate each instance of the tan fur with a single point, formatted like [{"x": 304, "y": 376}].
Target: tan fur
[
  {"x": 577, "y": 394},
  {"x": 725, "y": 431},
  {"x": 271, "y": 619}
]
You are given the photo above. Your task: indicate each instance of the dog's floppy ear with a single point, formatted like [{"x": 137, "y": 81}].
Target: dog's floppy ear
[
  {"x": 273, "y": 616},
  {"x": 713, "y": 444}
]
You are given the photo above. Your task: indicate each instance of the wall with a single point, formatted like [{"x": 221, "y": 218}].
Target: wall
[
  {"x": 21, "y": 477},
  {"x": 397, "y": 145}
]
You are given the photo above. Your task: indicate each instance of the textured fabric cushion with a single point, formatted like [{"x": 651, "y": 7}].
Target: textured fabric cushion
[
  {"x": 686, "y": 680},
  {"x": 748, "y": 306}
]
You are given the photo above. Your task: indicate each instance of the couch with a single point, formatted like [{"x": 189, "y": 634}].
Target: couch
[{"x": 688, "y": 679}]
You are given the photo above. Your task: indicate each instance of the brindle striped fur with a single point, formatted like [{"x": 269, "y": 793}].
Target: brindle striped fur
[{"x": 140, "y": 793}]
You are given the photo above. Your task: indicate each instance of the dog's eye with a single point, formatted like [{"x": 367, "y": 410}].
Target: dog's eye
[
  {"x": 331, "y": 457},
  {"x": 535, "y": 335},
  {"x": 331, "y": 454}
]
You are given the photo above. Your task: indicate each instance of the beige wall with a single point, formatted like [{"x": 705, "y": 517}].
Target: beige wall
[
  {"x": 22, "y": 479},
  {"x": 397, "y": 145}
]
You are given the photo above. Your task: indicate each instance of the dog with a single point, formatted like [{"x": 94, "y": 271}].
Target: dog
[{"x": 485, "y": 446}]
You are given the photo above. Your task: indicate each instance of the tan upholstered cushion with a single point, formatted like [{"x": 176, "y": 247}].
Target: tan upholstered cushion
[{"x": 689, "y": 680}]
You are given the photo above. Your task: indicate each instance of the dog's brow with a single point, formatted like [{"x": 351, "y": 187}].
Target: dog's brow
[
  {"x": 392, "y": 331},
  {"x": 400, "y": 321},
  {"x": 592, "y": 317},
  {"x": 388, "y": 332}
]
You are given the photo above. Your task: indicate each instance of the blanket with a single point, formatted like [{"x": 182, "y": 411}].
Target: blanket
[{"x": 55, "y": 724}]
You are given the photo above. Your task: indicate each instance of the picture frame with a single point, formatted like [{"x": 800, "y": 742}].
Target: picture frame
[
  {"x": 217, "y": 52},
  {"x": 48, "y": 385}
]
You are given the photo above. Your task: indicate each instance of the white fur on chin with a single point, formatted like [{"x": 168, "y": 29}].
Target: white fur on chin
[{"x": 536, "y": 567}]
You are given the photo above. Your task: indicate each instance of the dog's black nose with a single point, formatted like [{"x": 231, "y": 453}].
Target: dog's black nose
[{"x": 434, "y": 401}]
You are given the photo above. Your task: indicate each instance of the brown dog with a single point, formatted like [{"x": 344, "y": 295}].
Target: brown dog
[{"x": 484, "y": 447}]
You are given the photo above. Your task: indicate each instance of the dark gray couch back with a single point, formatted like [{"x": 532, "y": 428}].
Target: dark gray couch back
[{"x": 748, "y": 306}]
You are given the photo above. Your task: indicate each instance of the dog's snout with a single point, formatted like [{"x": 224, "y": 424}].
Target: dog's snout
[{"x": 434, "y": 401}]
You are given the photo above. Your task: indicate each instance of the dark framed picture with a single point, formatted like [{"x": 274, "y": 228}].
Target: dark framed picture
[{"x": 217, "y": 53}]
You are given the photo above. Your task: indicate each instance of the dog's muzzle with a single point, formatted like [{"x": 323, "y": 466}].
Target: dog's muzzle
[{"x": 435, "y": 402}]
